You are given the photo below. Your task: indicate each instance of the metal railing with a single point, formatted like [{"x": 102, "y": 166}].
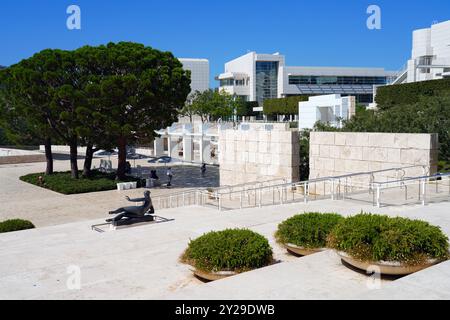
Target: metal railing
[
  {"x": 203, "y": 196},
  {"x": 424, "y": 185},
  {"x": 258, "y": 194}
]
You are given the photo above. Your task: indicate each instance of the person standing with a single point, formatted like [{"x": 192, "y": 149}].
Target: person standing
[
  {"x": 203, "y": 169},
  {"x": 169, "y": 176}
]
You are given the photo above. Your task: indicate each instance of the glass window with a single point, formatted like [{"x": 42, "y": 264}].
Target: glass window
[
  {"x": 266, "y": 80},
  {"x": 336, "y": 80}
]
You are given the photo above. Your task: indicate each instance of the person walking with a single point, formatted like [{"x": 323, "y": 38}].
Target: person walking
[{"x": 169, "y": 177}]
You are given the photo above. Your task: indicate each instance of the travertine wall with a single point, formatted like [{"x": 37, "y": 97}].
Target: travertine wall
[
  {"x": 339, "y": 153},
  {"x": 258, "y": 152},
  {"x": 22, "y": 159}
]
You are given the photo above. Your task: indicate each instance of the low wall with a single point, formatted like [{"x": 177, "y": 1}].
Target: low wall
[
  {"x": 258, "y": 152},
  {"x": 340, "y": 153},
  {"x": 15, "y": 156}
]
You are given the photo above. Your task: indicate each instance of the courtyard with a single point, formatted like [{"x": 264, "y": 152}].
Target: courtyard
[{"x": 142, "y": 262}]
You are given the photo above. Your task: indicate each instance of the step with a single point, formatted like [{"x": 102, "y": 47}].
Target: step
[{"x": 318, "y": 276}]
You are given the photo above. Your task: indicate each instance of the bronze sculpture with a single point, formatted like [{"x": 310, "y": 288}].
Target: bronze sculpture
[{"x": 134, "y": 212}]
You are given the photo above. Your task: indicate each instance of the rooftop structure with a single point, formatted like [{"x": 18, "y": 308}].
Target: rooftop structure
[
  {"x": 257, "y": 77},
  {"x": 430, "y": 56},
  {"x": 199, "y": 69}
]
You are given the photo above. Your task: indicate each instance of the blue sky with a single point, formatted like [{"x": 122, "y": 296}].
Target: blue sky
[{"x": 309, "y": 33}]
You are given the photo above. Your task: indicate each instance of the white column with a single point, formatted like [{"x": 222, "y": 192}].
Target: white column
[
  {"x": 158, "y": 147},
  {"x": 206, "y": 151},
  {"x": 187, "y": 148}
]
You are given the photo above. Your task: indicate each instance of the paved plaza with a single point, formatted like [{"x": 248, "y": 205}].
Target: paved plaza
[
  {"x": 142, "y": 262},
  {"x": 44, "y": 207}
]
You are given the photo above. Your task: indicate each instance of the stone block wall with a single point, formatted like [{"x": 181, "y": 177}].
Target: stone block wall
[
  {"x": 258, "y": 152},
  {"x": 340, "y": 153}
]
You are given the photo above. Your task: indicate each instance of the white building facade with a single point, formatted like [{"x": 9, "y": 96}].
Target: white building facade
[
  {"x": 199, "y": 69},
  {"x": 430, "y": 58},
  {"x": 257, "y": 77},
  {"x": 331, "y": 109}
]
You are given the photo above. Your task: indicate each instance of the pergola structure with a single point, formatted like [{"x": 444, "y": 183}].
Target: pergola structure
[{"x": 191, "y": 142}]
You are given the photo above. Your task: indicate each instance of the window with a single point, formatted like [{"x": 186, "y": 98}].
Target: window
[
  {"x": 226, "y": 82},
  {"x": 266, "y": 80},
  {"x": 336, "y": 80}
]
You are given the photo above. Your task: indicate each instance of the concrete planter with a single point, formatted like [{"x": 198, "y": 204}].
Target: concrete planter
[
  {"x": 213, "y": 276},
  {"x": 292, "y": 248},
  {"x": 387, "y": 267},
  {"x": 126, "y": 186}
]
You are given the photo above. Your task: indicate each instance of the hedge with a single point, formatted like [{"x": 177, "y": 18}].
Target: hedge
[
  {"x": 246, "y": 110},
  {"x": 409, "y": 93},
  {"x": 237, "y": 250},
  {"x": 375, "y": 238},
  {"x": 15, "y": 225},
  {"x": 63, "y": 182},
  {"x": 309, "y": 230},
  {"x": 285, "y": 106}
]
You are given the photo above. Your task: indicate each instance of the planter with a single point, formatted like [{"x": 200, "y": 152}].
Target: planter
[
  {"x": 387, "y": 267},
  {"x": 292, "y": 248},
  {"x": 213, "y": 276}
]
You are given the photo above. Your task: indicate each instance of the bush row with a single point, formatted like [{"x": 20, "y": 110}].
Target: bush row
[
  {"x": 62, "y": 182},
  {"x": 285, "y": 106},
  {"x": 367, "y": 237},
  {"x": 409, "y": 93}
]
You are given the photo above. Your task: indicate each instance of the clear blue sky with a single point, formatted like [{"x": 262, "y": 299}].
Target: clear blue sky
[{"x": 309, "y": 33}]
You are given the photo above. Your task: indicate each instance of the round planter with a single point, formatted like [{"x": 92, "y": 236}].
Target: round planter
[
  {"x": 387, "y": 267},
  {"x": 292, "y": 248},
  {"x": 212, "y": 276}
]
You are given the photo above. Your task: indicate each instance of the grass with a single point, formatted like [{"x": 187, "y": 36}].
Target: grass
[
  {"x": 62, "y": 182},
  {"x": 15, "y": 225}
]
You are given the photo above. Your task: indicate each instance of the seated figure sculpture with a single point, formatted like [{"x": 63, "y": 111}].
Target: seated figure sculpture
[{"x": 134, "y": 212}]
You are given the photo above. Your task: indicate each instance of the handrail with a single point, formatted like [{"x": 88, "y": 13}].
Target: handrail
[
  {"x": 248, "y": 183},
  {"x": 435, "y": 176},
  {"x": 332, "y": 186}
]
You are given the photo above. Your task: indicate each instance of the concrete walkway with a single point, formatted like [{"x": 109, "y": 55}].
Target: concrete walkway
[
  {"x": 143, "y": 262},
  {"x": 44, "y": 207}
]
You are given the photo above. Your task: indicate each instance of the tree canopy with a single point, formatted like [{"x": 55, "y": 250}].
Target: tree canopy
[{"x": 104, "y": 96}]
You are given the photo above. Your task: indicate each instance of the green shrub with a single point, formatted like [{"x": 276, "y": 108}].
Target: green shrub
[
  {"x": 409, "y": 93},
  {"x": 286, "y": 106},
  {"x": 237, "y": 250},
  {"x": 62, "y": 182},
  {"x": 309, "y": 230},
  {"x": 443, "y": 166},
  {"x": 15, "y": 225},
  {"x": 369, "y": 237}
]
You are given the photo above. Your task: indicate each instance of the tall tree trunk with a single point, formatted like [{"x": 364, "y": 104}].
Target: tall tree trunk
[
  {"x": 74, "y": 158},
  {"x": 48, "y": 156},
  {"x": 88, "y": 160},
  {"x": 121, "y": 167}
]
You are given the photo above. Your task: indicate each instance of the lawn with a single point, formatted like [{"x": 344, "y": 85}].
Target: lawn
[{"x": 62, "y": 182}]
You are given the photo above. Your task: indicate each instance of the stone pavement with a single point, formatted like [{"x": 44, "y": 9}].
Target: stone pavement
[
  {"x": 143, "y": 262},
  {"x": 44, "y": 207}
]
